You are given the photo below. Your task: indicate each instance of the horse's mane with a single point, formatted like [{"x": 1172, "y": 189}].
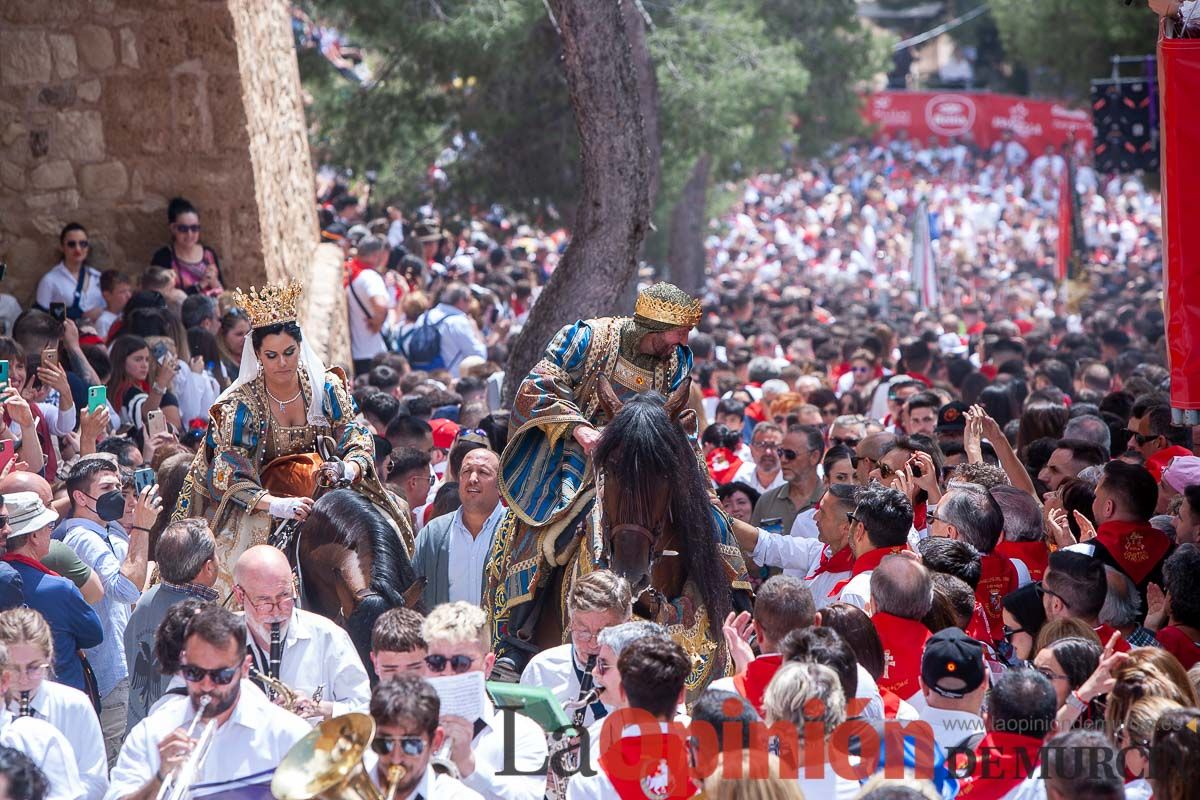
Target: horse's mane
[
  {"x": 355, "y": 522},
  {"x": 647, "y": 454}
]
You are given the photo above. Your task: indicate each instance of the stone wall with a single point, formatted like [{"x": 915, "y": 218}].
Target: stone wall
[{"x": 108, "y": 108}]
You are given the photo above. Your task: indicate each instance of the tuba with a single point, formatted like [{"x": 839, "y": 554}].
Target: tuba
[{"x": 327, "y": 764}]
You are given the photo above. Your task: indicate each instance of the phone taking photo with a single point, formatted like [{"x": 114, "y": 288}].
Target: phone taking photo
[
  {"x": 3, "y": 375},
  {"x": 144, "y": 477},
  {"x": 59, "y": 311},
  {"x": 97, "y": 398},
  {"x": 156, "y": 423}
]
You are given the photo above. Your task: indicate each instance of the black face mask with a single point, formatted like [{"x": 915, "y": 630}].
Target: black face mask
[{"x": 110, "y": 506}]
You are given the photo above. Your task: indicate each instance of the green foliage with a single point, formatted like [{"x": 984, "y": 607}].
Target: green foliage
[{"x": 1066, "y": 43}]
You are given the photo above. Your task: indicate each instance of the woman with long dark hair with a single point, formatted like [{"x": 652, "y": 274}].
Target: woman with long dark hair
[
  {"x": 140, "y": 384},
  {"x": 196, "y": 266}
]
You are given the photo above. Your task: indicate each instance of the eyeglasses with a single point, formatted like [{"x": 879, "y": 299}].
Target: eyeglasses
[
  {"x": 1143, "y": 438},
  {"x": 188, "y": 228},
  {"x": 584, "y": 636},
  {"x": 458, "y": 664},
  {"x": 222, "y": 676},
  {"x": 851, "y": 518},
  {"x": 1009, "y": 633},
  {"x": 1051, "y": 676},
  {"x": 1040, "y": 586},
  {"x": 30, "y": 671},
  {"x": 263, "y": 606},
  {"x": 766, "y": 446},
  {"x": 601, "y": 667},
  {"x": 463, "y": 432},
  {"x": 409, "y": 745},
  {"x": 3, "y": 520},
  {"x": 931, "y": 514},
  {"x": 848, "y": 441},
  {"x": 80, "y": 245},
  {"x": 885, "y": 470},
  {"x": 786, "y": 454}
]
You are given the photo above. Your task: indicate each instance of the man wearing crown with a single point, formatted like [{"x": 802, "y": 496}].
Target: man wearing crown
[
  {"x": 259, "y": 463},
  {"x": 555, "y": 422}
]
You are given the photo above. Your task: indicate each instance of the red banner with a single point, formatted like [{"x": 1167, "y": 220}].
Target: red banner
[
  {"x": 983, "y": 115},
  {"x": 1179, "y": 86}
]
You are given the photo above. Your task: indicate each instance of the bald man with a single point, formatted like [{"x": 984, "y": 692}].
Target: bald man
[
  {"x": 312, "y": 654},
  {"x": 452, "y": 549},
  {"x": 61, "y": 558}
]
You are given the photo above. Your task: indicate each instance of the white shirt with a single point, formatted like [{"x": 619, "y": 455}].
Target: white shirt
[
  {"x": 255, "y": 738},
  {"x": 72, "y": 714},
  {"x": 952, "y": 728},
  {"x": 830, "y": 786},
  {"x": 528, "y": 755},
  {"x": 1139, "y": 789},
  {"x": 805, "y": 524},
  {"x": 800, "y": 557},
  {"x": 364, "y": 342},
  {"x": 318, "y": 652},
  {"x": 469, "y": 554},
  {"x": 47, "y": 748},
  {"x": 748, "y": 474},
  {"x": 104, "y": 323},
  {"x": 554, "y": 669},
  {"x": 857, "y": 591},
  {"x": 433, "y": 785},
  {"x": 598, "y": 786},
  {"x": 58, "y": 286}
]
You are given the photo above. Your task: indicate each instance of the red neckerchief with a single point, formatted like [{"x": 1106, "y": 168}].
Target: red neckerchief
[
  {"x": 997, "y": 578},
  {"x": 1034, "y": 555},
  {"x": 1105, "y": 633},
  {"x": 756, "y": 412},
  {"x": 653, "y": 766},
  {"x": 706, "y": 392},
  {"x": 891, "y": 702},
  {"x": 841, "y": 561},
  {"x": 866, "y": 562},
  {"x": 916, "y": 376},
  {"x": 921, "y": 516},
  {"x": 1179, "y": 644},
  {"x": 1011, "y": 758},
  {"x": 1136, "y": 546},
  {"x": 30, "y": 562},
  {"x": 752, "y": 684},
  {"x": 903, "y": 645},
  {"x": 978, "y": 628},
  {"x": 722, "y": 465},
  {"x": 354, "y": 268}
]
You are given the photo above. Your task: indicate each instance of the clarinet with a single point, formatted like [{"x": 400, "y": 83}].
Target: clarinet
[
  {"x": 567, "y": 749},
  {"x": 276, "y": 656},
  {"x": 586, "y": 694},
  {"x": 23, "y": 709}
]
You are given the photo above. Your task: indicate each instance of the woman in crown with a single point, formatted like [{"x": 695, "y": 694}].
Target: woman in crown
[{"x": 258, "y": 463}]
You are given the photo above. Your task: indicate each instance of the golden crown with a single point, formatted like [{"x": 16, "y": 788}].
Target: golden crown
[
  {"x": 271, "y": 304},
  {"x": 676, "y": 314}
]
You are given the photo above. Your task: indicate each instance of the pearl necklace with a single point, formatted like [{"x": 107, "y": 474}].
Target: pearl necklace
[{"x": 283, "y": 404}]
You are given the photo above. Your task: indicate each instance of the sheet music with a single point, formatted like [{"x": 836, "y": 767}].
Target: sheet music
[{"x": 461, "y": 695}]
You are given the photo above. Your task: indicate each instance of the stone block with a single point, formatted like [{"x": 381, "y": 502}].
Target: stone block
[
  {"x": 163, "y": 42},
  {"x": 95, "y": 47},
  {"x": 88, "y": 91},
  {"x": 129, "y": 52},
  {"x": 66, "y": 58},
  {"x": 56, "y": 202},
  {"x": 77, "y": 135},
  {"x": 61, "y": 96},
  {"x": 24, "y": 58},
  {"x": 107, "y": 181},
  {"x": 12, "y": 133},
  {"x": 56, "y": 174},
  {"x": 228, "y": 114},
  {"x": 12, "y": 177},
  {"x": 137, "y": 122},
  {"x": 193, "y": 118}
]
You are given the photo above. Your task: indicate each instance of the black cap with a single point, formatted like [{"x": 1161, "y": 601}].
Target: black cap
[
  {"x": 952, "y": 417},
  {"x": 952, "y": 665}
]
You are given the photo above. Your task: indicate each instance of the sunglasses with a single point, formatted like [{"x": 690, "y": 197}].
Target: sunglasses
[
  {"x": 786, "y": 454},
  {"x": 1009, "y": 633},
  {"x": 851, "y": 518},
  {"x": 222, "y": 676},
  {"x": 458, "y": 664},
  {"x": 848, "y": 441},
  {"x": 886, "y": 471},
  {"x": 409, "y": 745},
  {"x": 3, "y": 520},
  {"x": 1143, "y": 438},
  {"x": 80, "y": 245},
  {"x": 188, "y": 228},
  {"x": 463, "y": 432},
  {"x": 861, "y": 370},
  {"x": 1042, "y": 591}
]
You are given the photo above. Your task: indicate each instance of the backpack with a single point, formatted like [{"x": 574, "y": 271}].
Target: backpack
[{"x": 422, "y": 345}]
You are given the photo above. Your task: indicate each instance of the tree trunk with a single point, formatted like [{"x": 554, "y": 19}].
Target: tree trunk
[
  {"x": 614, "y": 207},
  {"x": 685, "y": 251}
]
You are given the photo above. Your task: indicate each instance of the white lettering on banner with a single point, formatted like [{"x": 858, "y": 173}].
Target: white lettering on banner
[{"x": 950, "y": 114}]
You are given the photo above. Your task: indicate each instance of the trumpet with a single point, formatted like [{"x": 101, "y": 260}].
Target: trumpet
[
  {"x": 179, "y": 784},
  {"x": 443, "y": 763},
  {"x": 327, "y": 764}
]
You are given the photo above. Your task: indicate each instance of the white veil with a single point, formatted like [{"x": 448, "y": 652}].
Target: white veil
[{"x": 310, "y": 362}]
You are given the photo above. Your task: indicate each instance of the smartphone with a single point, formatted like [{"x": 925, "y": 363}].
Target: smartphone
[
  {"x": 159, "y": 351},
  {"x": 97, "y": 398},
  {"x": 7, "y": 451},
  {"x": 58, "y": 311},
  {"x": 142, "y": 478},
  {"x": 156, "y": 423},
  {"x": 3, "y": 375},
  {"x": 50, "y": 356}
]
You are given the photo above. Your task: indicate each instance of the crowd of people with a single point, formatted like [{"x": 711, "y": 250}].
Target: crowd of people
[{"x": 981, "y": 517}]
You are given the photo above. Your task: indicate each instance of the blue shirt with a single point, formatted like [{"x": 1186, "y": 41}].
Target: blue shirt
[
  {"x": 11, "y": 592},
  {"x": 104, "y": 550},
  {"x": 73, "y": 623}
]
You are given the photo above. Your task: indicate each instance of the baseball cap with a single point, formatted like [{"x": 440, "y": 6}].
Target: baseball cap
[
  {"x": 444, "y": 432},
  {"x": 952, "y": 664},
  {"x": 952, "y": 417},
  {"x": 1182, "y": 472},
  {"x": 1157, "y": 463}
]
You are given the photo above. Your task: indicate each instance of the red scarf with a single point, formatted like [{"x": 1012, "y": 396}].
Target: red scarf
[
  {"x": 997, "y": 578},
  {"x": 752, "y": 684},
  {"x": 1105, "y": 633},
  {"x": 1011, "y": 758},
  {"x": 867, "y": 562},
  {"x": 903, "y": 645},
  {"x": 29, "y": 562},
  {"x": 841, "y": 561},
  {"x": 921, "y": 516},
  {"x": 891, "y": 703},
  {"x": 354, "y": 268},
  {"x": 722, "y": 465},
  {"x": 1136, "y": 547},
  {"x": 1180, "y": 645},
  {"x": 1034, "y": 555},
  {"x": 979, "y": 629},
  {"x": 654, "y": 766}
]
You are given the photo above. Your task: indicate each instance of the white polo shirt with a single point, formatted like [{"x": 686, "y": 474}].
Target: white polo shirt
[
  {"x": 72, "y": 714},
  {"x": 47, "y": 748}
]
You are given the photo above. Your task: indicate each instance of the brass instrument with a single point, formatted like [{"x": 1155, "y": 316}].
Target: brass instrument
[
  {"x": 327, "y": 763},
  {"x": 178, "y": 784},
  {"x": 23, "y": 709},
  {"x": 276, "y": 688}
]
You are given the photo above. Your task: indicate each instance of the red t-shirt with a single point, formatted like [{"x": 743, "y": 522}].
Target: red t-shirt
[
  {"x": 997, "y": 578},
  {"x": 903, "y": 645},
  {"x": 1180, "y": 645}
]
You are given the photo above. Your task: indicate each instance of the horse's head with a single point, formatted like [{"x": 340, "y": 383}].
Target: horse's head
[{"x": 639, "y": 458}]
